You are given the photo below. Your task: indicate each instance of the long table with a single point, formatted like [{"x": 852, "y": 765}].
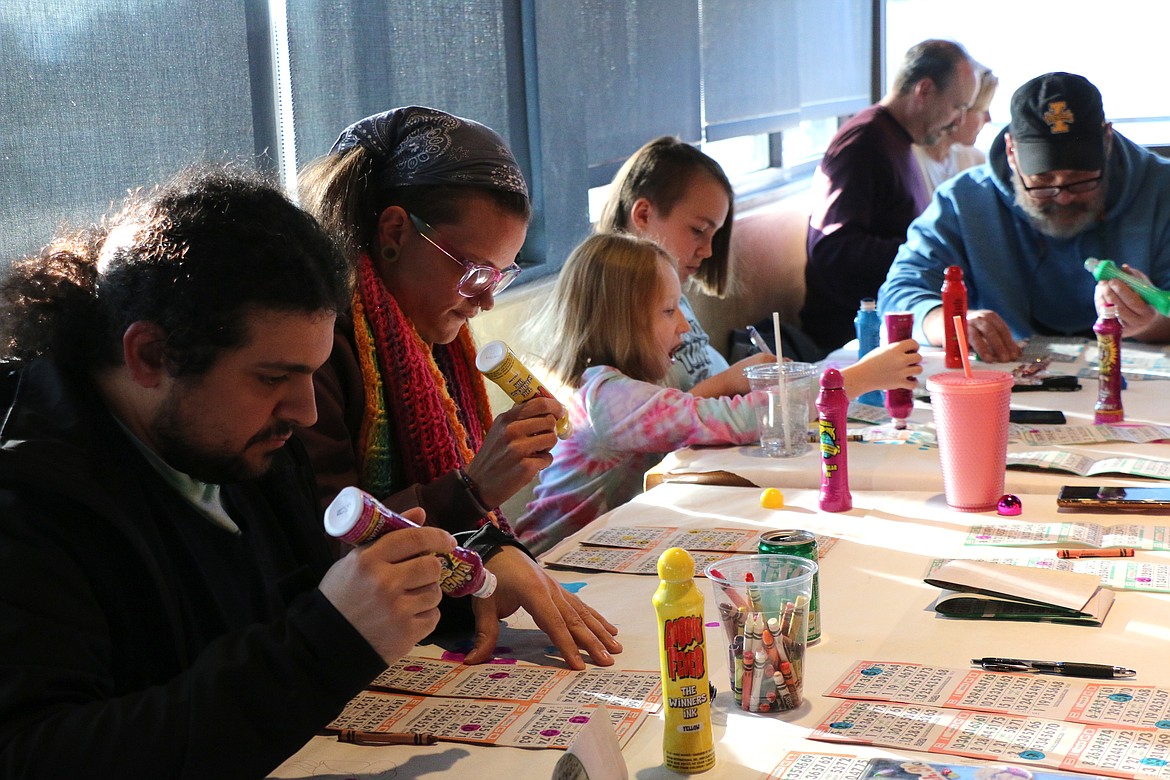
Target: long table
[
  {"x": 875, "y": 606},
  {"x": 885, "y": 466}
]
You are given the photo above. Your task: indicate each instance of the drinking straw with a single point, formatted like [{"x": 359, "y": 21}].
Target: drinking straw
[
  {"x": 786, "y": 431},
  {"x": 961, "y": 335}
]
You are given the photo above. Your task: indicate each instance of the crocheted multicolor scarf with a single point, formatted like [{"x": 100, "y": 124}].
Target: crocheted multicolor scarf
[{"x": 427, "y": 407}]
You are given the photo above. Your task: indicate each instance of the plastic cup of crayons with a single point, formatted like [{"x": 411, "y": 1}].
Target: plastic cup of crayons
[{"x": 763, "y": 606}]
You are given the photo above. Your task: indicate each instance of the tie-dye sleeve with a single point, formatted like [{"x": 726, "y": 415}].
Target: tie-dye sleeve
[{"x": 639, "y": 416}]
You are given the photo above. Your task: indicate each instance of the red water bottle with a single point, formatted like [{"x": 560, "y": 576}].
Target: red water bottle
[
  {"x": 899, "y": 401},
  {"x": 954, "y": 301},
  {"x": 1108, "y": 329},
  {"x": 833, "y": 421}
]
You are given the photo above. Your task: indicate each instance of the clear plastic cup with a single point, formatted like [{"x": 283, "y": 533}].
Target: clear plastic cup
[
  {"x": 783, "y": 431},
  {"x": 765, "y": 622}
]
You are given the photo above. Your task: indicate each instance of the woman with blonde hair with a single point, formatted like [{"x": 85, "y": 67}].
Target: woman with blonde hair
[{"x": 613, "y": 326}]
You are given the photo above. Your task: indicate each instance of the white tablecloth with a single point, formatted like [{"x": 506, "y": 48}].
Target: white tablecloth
[
  {"x": 874, "y": 466},
  {"x": 874, "y": 606}
]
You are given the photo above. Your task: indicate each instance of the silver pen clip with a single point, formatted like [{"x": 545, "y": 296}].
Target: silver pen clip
[{"x": 1001, "y": 667}]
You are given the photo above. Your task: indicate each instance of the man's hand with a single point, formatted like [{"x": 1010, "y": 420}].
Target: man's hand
[
  {"x": 1139, "y": 319},
  {"x": 571, "y": 624},
  {"x": 991, "y": 338},
  {"x": 987, "y": 334},
  {"x": 389, "y": 589}
]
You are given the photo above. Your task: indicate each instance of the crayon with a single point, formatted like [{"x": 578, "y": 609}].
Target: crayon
[
  {"x": 782, "y": 693},
  {"x": 732, "y": 593},
  {"x": 730, "y": 617},
  {"x": 747, "y": 682},
  {"x": 791, "y": 683},
  {"x": 1115, "y": 552},
  {"x": 753, "y": 593},
  {"x": 758, "y": 680},
  {"x": 737, "y": 680},
  {"x": 356, "y": 737},
  {"x": 770, "y": 647}
]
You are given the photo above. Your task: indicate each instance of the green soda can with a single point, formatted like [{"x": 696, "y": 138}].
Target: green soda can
[{"x": 802, "y": 544}]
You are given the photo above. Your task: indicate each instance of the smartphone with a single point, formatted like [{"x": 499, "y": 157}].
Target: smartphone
[
  {"x": 1060, "y": 382},
  {"x": 1134, "y": 499},
  {"x": 1037, "y": 416}
]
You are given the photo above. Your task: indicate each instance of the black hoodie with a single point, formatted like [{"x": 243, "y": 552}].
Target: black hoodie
[{"x": 138, "y": 639}]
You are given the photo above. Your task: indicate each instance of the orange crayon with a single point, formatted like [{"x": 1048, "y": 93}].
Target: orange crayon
[
  {"x": 791, "y": 683},
  {"x": 1116, "y": 552}
]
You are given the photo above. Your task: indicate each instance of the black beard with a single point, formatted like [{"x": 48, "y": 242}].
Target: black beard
[{"x": 169, "y": 434}]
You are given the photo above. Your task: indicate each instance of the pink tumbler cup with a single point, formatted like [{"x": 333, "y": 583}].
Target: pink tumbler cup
[{"x": 971, "y": 419}]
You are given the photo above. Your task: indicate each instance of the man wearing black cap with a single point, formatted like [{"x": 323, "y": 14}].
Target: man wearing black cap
[{"x": 1060, "y": 186}]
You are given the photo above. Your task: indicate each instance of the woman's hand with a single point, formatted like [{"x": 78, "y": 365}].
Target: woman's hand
[
  {"x": 570, "y": 624},
  {"x": 515, "y": 449}
]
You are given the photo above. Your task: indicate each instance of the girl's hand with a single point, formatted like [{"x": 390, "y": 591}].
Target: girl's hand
[
  {"x": 731, "y": 381},
  {"x": 895, "y": 365}
]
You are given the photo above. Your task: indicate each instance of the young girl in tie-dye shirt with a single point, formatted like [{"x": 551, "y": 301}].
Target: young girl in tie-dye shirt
[{"x": 615, "y": 320}]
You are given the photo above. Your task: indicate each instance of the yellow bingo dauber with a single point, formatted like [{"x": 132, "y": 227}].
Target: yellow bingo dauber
[{"x": 499, "y": 363}]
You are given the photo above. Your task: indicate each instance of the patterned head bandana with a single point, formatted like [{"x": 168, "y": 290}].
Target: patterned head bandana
[{"x": 418, "y": 146}]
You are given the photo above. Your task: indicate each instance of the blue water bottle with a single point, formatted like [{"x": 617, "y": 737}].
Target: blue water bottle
[{"x": 869, "y": 326}]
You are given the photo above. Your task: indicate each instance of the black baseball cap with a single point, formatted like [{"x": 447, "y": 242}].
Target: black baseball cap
[{"x": 1058, "y": 124}]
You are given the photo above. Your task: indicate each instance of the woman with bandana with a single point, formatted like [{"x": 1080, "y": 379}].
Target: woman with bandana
[{"x": 432, "y": 209}]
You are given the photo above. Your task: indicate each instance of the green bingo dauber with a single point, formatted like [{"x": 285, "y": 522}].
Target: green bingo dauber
[{"x": 1107, "y": 269}]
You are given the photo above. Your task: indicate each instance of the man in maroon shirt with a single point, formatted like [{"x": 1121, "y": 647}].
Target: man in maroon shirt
[{"x": 868, "y": 189}]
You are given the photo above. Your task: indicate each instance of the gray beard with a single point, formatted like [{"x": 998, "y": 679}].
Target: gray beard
[{"x": 1077, "y": 217}]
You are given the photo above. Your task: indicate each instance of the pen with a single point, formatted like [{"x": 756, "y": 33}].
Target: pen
[
  {"x": 1116, "y": 552},
  {"x": 758, "y": 340},
  {"x": 1066, "y": 668},
  {"x": 356, "y": 737}
]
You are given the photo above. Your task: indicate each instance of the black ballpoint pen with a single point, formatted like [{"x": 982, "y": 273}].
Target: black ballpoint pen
[{"x": 1065, "y": 668}]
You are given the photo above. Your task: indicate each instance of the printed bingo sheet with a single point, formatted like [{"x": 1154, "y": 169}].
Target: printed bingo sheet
[
  {"x": 516, "y": 724},
  {"x": 1095, "y": 434},
  {"x": 1103, "y": 703},
  {"x": 835, "y": 766},
  {"x": 1085, "y": 466},
  {"x": 819, "y": 766},
  {"x": 1115, "y": 728},
  {"x": 613, "y": 687},
  {"x": 636, "y": 549},
  {"x": 1115, "y": 573},
  {"x": 1140, "y": 537},
  {"x": 1114, "y": 752}
]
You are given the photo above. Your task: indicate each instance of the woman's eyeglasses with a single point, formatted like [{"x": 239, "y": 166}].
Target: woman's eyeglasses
[{"x": 477, "y": 279}]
